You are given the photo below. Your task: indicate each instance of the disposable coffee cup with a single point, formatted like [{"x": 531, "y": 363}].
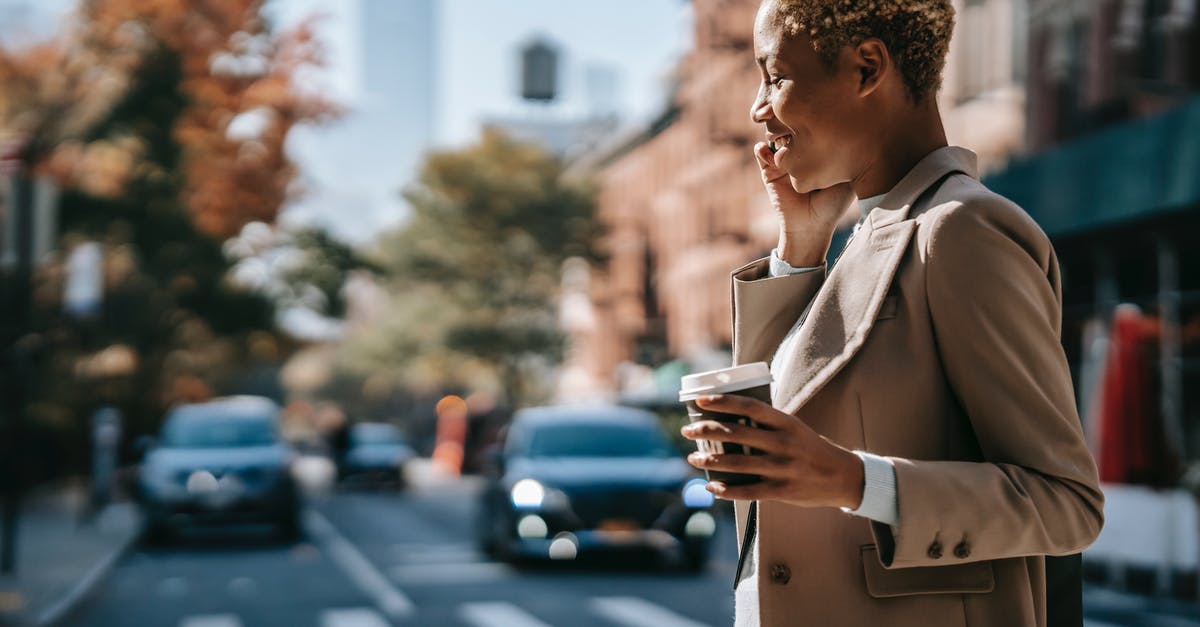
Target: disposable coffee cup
[{"x": 752, "y": 380}]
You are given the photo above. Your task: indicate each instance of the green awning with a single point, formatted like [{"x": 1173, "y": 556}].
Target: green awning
[{"x": 1135, "y": 170}]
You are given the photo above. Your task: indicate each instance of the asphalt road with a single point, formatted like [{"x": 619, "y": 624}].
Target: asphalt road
[
  {"x": 387, "y": 559},
  {"x": 377, "y": 559}
]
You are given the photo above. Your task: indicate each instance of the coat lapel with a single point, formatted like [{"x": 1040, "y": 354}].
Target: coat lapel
[{"x": 844, "y": 311}]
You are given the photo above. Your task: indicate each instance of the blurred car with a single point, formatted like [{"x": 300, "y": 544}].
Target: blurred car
[
  {"x": 220, "y": 461},
  {"x": 573, "y": 479},
  {"x": 377, "y": 453}
]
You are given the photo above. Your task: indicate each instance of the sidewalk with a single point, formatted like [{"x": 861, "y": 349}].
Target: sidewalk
[
  {"x": 61, "y": 554},
  {"x": 1105, "y": 607}
]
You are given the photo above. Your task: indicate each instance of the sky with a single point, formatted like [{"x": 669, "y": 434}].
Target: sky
[
  {"x": 640, "y": 39},
  {"x": 474, "y": 69},
  {"x": 477, "y": 43}
]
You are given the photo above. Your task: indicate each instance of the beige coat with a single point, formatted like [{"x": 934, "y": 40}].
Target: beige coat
[{"x": 933, "y": 341}]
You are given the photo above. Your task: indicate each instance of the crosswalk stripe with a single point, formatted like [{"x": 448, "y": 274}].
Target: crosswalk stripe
[
  {"x": 443, "y": 574},
  {"x": 361, "y": 571},
  {"x": 635, "y": 612},
  {"x": 353, "y": 617},
  {"x": 212, "y": 620},
  {"x": 497, "y": 614}
]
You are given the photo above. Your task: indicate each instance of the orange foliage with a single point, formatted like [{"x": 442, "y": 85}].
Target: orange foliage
[{"x": 234, "y": 72}]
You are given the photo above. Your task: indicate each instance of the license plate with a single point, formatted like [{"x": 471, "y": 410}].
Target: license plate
[{"x": 618, "y": 524}]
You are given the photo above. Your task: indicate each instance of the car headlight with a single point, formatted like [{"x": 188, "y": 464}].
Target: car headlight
[
  {"x": 694, "y": 494},
  {"x": 532, "y": 494},
  {"x": 528, "y": 493}
]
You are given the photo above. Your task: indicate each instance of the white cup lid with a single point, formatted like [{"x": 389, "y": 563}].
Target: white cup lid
[{"x": 699, "y": 384}]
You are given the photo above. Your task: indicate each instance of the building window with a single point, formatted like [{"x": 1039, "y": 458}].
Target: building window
[{"x": 977, "y": 63}]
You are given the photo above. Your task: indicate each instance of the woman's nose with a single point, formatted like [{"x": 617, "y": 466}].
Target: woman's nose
[{"x": 760, "y": 111}]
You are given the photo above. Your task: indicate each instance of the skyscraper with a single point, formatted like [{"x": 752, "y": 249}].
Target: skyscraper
[{"x": 356, "y": 167}]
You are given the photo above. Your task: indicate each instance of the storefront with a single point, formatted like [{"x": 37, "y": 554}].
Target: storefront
[{"x": 1123, "y": 209}]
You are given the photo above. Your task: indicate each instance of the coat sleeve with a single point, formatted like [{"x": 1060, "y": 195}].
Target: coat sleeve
[
  {"x": 994, "y": 298},
  {"x": 765, "y": 307}
]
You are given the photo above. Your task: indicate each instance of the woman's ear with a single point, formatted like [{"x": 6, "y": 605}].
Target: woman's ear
[{"x": 873, "y": 62}]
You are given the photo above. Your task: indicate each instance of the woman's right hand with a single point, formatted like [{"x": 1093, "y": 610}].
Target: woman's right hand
[{"x": 806, "y": 220}]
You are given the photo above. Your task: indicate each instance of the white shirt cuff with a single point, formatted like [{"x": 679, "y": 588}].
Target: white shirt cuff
[
  {"x": 879, "y": 502},
  {"x": 779, "y": 267}
]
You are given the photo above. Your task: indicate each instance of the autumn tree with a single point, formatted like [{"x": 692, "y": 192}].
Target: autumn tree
[
  {"x": 164, "y": 123},
  {"x": 475, "y": 271}
]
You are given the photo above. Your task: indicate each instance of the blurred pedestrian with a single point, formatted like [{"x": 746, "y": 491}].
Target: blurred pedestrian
[
  {"x": 923, "y": 452},
  {"x": 334, "y": 427}
]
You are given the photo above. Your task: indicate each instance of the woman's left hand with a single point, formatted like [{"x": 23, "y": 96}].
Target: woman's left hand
[{"x": 797, "y": 465}]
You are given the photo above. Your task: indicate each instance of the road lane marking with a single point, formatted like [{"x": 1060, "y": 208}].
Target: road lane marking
[
  {"x": 433, "y": 574},
  {"x": 637, "y": 612},
  {"x": 497, "y": 614},
  {"x": 353, "y": 617},
  {"x": 426, "y": 553},
  {"x": 212, "y": 620},
  {"x": 390, "y": 599}
]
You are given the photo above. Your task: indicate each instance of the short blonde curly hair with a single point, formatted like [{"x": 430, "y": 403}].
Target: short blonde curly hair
[{"x": 916, "y": 33}]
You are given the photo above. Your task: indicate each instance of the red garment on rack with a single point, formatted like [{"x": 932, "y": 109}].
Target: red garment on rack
[{"x": 1133, "y": 444}]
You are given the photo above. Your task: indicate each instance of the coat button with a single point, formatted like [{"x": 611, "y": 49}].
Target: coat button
[
  {"x": 780, "y": 574},
  {"x": 962, "y": 551},
  {"x": 935, "y": 550}
]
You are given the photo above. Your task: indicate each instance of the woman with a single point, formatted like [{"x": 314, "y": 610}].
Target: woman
[{"x": 923, "y": 452}]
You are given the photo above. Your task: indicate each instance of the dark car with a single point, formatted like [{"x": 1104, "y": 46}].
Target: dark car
[
  {"x": 377, "y": 453},
  {"x": 220, "y": 461},
  {"x": 574, "y": 479}
]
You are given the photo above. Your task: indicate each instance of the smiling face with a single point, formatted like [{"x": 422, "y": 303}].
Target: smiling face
[{"x": 817, "y": 115}]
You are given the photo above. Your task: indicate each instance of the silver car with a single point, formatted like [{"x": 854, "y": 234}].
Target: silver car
[{"x": 220, "y": 461}]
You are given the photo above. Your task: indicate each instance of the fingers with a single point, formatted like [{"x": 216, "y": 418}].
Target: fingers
[
  {"x": 760, "y": 491},
  {"x": 766, "y": 163},
  {"x": 757, "y": 410},
  {"x": 744, "y": 464},
  {"x": 714, "y": 430},
  {"x": 766, "y": 158}
]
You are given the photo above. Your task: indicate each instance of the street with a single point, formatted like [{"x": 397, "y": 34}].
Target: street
[
  {"x": 383, "y": 558},
  {"x": 372, "y": 559}
]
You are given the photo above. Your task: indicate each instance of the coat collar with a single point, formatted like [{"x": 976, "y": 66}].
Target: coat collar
[
  {"x": 896, "y": 205},
  {"x": 844, "y": 310}
]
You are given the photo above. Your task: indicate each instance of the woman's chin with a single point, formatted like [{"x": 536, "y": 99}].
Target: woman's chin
[
  {"x": 806, "y": 184},
  {"x": 803, "y": 185}
]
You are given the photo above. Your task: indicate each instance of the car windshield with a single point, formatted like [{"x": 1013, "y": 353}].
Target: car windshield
[
  {"x": 598, "y": 440},
  {"x": 370, "y": 435},
  {"x": 218, "y": 432}
]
